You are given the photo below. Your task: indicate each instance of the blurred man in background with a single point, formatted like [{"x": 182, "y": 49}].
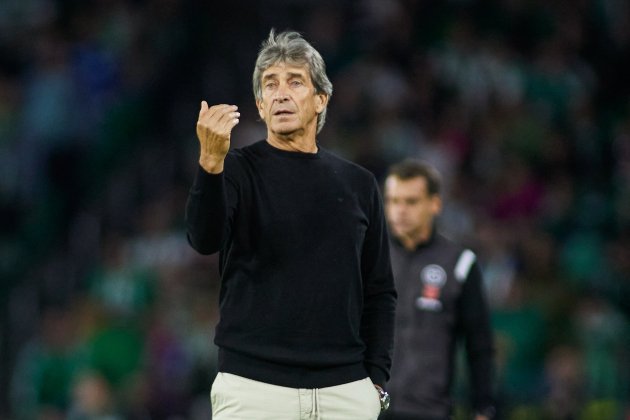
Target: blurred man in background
[
  {"x": 441, "y": 301},
  {"x": 307, "y": 296}
]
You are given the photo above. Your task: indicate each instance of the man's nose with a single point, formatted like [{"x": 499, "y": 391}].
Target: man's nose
[
  {"x": 281, "y": 93},
  {"x": 399, "y": 210}
]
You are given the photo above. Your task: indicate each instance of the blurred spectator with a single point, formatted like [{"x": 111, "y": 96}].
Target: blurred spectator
[
  {"x": 522, "y": 340},
  {"x": 564, "y": 379},
  {"x": 119, "y": 287},
  {"x": 93, "y": 399},
  {"x": 602, "y": 334},
  {"x": 46, "y": 367}
]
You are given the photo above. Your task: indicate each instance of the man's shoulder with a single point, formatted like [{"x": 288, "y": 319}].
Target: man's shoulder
[
  {"x": 448, "y": 243},
  {"x": 345, "y": 164},
  {"x": 461, "y": 256},
  {"x": 256, "y": 147},
  {"x": 237, "y": 155}
]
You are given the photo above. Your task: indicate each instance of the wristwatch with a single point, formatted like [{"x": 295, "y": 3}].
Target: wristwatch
[{"x": 383, "y": 396}]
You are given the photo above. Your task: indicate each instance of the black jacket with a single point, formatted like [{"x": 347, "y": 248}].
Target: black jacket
[{"x": 440, "y": 301}]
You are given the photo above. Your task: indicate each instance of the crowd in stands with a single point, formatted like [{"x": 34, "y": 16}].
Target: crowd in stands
[{"x": 523, "y": 105}]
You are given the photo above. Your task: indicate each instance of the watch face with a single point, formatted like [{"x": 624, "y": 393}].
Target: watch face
[{"x": 384, "y": 401}]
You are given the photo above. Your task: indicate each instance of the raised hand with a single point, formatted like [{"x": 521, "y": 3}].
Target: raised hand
[{"x": 214, "y": 128}]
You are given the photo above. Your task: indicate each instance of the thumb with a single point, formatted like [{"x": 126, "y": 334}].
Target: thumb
[{"x": 204, "y": 107}]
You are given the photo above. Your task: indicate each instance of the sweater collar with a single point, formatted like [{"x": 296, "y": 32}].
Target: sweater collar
[{"x": 292, "y": 154}]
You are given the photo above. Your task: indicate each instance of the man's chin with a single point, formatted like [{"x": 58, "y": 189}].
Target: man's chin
[
  {"x": 285, "y": 130},
  {"x": 400, "y": 231}
]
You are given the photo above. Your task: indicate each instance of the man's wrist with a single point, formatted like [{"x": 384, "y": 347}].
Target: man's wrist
[
  {"x": 211, "y": 165},
  {"x": 383, "y": 397}
]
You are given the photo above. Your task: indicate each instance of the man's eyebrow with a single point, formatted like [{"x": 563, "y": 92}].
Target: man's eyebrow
[
  {"x": 270, "y": 76},
  {"x": 290, "y": 75}
]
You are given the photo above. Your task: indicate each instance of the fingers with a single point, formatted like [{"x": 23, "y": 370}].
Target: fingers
[
  {"x": 227, "y": 117},
  {"x": 218, "y": 118},
  {"x": 214, "y": 128}
]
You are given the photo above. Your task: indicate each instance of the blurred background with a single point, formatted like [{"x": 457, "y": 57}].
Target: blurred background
[{"x": 106, "y": 312}]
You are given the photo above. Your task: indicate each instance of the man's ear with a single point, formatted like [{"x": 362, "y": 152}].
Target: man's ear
[
  {"x": 437, "y": 204},
  {"x": 259, "y": 106},
  {"x": 322, "y": 101}
]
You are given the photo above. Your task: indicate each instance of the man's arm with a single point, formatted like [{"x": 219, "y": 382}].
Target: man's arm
[
  {"x": 477, "y": 330},
  {"x": 377, "y": 323},
  {"x": 206, "y": 207}
]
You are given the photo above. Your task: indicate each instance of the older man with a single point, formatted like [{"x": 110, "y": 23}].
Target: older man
[{"x": 307, "y": 295}]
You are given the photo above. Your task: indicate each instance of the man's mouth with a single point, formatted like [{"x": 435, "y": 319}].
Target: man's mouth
[{"x": 282, "y": 112}]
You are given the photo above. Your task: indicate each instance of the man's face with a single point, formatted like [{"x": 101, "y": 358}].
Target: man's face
[
  {"x": 289, "y": 102},
  {"x": 409, "y": 208}
]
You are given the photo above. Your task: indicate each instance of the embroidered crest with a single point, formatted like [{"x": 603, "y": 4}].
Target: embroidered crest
[{"x": 433, "y": 278}]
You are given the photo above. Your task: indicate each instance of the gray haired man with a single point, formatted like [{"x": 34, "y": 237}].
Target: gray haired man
[{"x": 307, "y": 295}]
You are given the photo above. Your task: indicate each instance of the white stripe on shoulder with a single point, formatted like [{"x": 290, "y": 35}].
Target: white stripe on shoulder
[{"x": 465, "y": 261}]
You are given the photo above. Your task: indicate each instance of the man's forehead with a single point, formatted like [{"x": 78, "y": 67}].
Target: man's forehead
[
  {"x": 283, "y": 68},
  {"x": 417, "y": 183}
]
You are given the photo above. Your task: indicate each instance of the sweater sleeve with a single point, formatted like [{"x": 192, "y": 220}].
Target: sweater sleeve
[
  {"x": 206, "y": 212},
  {"x": 477, "y": 330},
  {"x": 379, "y": 303}
]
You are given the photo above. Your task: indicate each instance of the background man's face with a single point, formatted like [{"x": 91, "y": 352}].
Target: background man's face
[{"x": 409, "y": 208}]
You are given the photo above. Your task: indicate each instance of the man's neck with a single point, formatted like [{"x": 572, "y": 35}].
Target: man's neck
[
  {"x": 293, "y": 142},
  {"x": 410, "y": 243}
]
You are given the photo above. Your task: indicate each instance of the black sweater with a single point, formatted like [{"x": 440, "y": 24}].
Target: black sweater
[{"x": 307, "y": 295}]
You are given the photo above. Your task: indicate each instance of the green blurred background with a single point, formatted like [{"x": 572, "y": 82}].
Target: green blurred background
[{"x": 522, "y": 104}]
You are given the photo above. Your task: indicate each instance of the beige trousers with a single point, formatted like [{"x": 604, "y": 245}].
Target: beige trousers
[{"x": 236, "y": 398}]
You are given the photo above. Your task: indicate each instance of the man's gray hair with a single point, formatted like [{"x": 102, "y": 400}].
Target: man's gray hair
[{"x": 289, "y": 47}]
